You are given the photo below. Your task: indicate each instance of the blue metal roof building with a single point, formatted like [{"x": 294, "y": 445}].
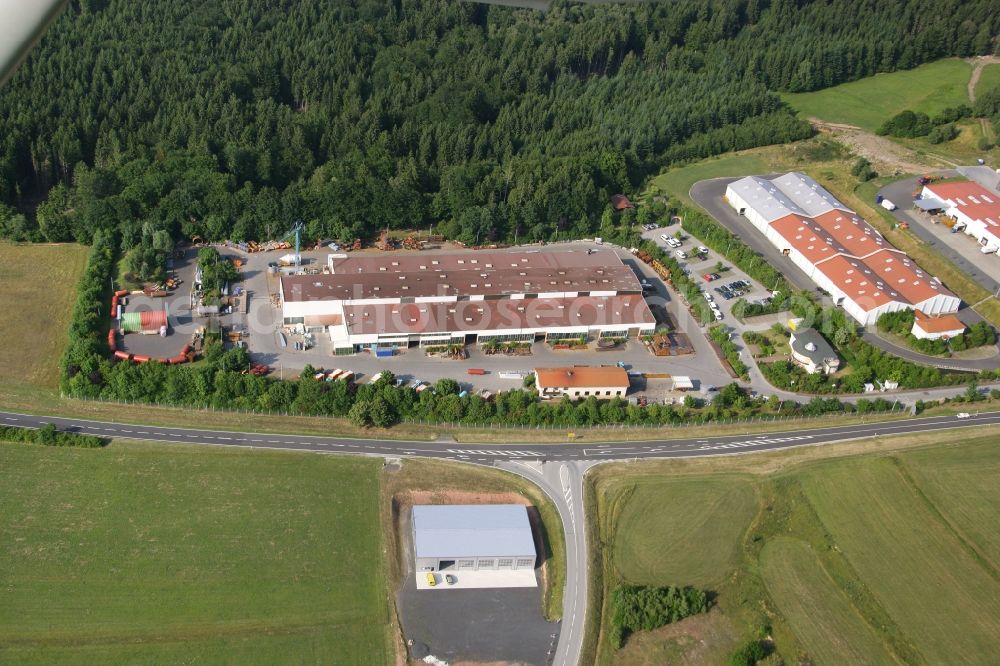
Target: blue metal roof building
[{"x": 472, "y": 537}]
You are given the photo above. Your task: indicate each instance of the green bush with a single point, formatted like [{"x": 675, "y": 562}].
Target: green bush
[
  {"x": 49, "y": 435},
  {"x": 748, "y": 654},
  {"x": 640, "y": 608}
]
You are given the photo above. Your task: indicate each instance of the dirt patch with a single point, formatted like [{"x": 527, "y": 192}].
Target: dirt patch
[
  {"x": 410, "y": 497},
  {"x": 887, "y": 156},
  {"x": 700, "y": 639}
]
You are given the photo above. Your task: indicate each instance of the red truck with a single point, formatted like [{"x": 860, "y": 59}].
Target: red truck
[{"x": 476, "y": 371}]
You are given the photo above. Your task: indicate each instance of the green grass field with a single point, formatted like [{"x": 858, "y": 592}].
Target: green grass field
[
  {"x": 988, "y": 79},
  {"x": 946, "y": 603},
  {"x": 872, "y": 557},
  {"x": 819, "y": 613},
  {"x": 960, "y": 488},
  {"x": 156, "y": 554},
  {"x": 664, "y": 516},
  {"x": 38, "y": 289},
  {"x": 869, "y": 101},
  {"x": 678, "y": 181}
]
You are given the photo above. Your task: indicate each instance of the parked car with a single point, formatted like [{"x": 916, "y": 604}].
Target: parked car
[
  {"x": 709, "y": 277},
  {"x": 718, "y": 315},
  {"x": 681, "y": 254},
  {"x": 665, "y": 238},
  {"x": 702, "y": 250},
  {"x": 451, "y": 580},
  {"x": 708, "y": 297},
  {"x": 431, "y": 579}
]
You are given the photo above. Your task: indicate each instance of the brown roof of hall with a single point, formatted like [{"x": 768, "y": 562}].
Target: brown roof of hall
[
  {"x": 582, "y": 377},
  {"x": 499, "y": 315}
]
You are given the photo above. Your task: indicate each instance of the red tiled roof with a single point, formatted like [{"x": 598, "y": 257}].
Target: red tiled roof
[
  {"x": 942, "y": 324},
  {"x": 974, "y": 200}
]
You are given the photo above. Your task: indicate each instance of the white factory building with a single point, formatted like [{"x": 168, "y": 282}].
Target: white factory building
[
  {"x": 472, "y": 537},
  {"x": 395, "y": 300},
  {"x": 836, "y": 248},
  {"x": 975, "y": 209}
]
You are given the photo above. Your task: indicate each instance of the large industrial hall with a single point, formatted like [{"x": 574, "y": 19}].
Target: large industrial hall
[
  {"x": 837, "y": 249},
  {"x": 395, "y": 300}
]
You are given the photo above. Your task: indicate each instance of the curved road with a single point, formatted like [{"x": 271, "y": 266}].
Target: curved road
[{"x": 557, "y": 469}]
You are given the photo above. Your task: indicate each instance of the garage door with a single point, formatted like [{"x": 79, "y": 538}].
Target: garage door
[{"x": 466, "y": 565}]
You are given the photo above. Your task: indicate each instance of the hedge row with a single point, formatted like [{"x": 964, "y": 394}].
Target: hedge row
[{"x": 48, "y": 435}]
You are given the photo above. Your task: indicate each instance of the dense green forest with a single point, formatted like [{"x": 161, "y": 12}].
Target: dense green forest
[{"x": 228, "y": 118}]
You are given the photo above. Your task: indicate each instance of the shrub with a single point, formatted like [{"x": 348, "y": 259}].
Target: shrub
[
  {"x": 748, "y": 654},
  {"x": 636, "y": 608},
  {"x": 49, "y": 435},
  {"x": 942, "y": 133}
]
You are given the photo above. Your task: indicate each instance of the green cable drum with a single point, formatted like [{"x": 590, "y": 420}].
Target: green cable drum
[{"x": 131, "y": 322}]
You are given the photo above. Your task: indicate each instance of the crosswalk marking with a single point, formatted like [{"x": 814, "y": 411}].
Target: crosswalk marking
[{"x": 495, "y": 452}]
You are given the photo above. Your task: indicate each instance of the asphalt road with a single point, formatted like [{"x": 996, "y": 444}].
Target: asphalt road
[
  {"x": 970, "y": 365},
  {"x": 492, "y": 453}
]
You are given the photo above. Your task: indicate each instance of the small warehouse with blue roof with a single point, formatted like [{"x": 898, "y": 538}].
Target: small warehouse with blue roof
[{"x": 474, "y": 537}]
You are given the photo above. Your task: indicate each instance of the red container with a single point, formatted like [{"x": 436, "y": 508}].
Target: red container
[
  {"x": 476, "y": 371},
  {"x": 111, "y": 340},
  {"x": 152, "y": 320},
  {"x": 114, "y": 306},
  {"x": 138, "y": 358},
  {"x": 121, "y": 292},
  {"x": 124, "y": 356}
]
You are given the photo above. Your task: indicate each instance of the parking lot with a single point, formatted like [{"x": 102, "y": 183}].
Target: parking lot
[{"x": 724, "y": 290}]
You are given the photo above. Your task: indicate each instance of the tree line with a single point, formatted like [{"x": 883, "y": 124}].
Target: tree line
[{"x": 490, "y": 123}]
